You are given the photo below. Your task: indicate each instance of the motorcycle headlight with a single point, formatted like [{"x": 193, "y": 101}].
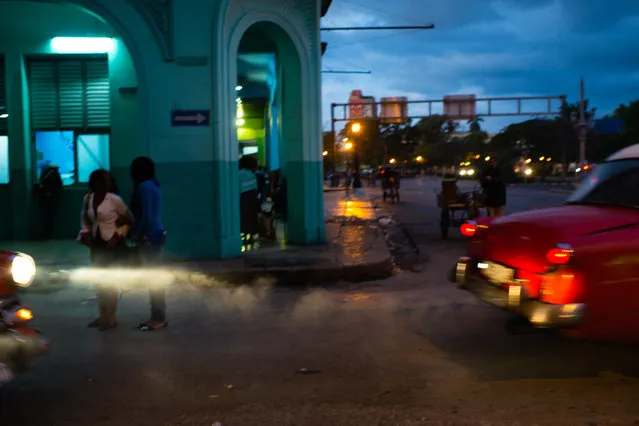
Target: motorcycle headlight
[
  {"x": 23, "y": 270},
  {"x": 24, "y": 314}
]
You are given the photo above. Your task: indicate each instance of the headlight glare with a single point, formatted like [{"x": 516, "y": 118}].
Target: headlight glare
[{"x": 23, "y": 270}]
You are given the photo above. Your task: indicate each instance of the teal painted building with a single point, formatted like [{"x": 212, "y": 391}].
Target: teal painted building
[{"x": 92, "y": 84}]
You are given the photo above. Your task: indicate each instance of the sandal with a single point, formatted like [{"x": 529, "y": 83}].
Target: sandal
[
  {"x": 95, "y": 323},
  {"x": 145, "y": 326},
  {"x": 106, "y": 326}
]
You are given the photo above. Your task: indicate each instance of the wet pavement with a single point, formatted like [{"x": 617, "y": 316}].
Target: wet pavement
[{"x": 408, "y": 350}]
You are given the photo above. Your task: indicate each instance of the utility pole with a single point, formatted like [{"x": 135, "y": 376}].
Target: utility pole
[
  {"x": 334, "y": 177},
  {"x": 582, "y": 125}
]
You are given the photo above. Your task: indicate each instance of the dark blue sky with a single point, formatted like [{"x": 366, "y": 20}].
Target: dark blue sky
[{"x": 487, "y": 48}]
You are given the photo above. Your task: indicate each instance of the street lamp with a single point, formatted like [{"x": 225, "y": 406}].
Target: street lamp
[
  {"x": 357, "y": 183},
  {"x": 325, "y": 153},
  {"x": 419, "y": 159},
  {"x": 392, "y": 161}
]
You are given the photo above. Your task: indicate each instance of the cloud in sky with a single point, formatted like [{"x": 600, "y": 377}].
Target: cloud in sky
[{"x": 487, "y": 48}]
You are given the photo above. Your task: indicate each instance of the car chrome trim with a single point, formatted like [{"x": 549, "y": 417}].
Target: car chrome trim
[{"x": 515, "y": 299}]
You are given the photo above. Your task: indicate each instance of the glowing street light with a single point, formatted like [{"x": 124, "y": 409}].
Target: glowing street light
[
  {"x": 487, "y": 158},
  {"x": 392, "y": 161},
  {"x": 348, "y": 146},
  {"x": 542, "y": 158},
  {"x": 419, "y": 159},
  {"x": 238, "y": 87},
  {"x": 356, "y": 127},
  {"x": 325, "y": 153}
]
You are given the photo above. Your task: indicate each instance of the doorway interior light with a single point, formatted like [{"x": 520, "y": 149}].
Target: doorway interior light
[{"x": 82, "y": 44}]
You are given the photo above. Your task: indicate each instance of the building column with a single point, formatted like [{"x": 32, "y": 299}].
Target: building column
[
  {"x": 273, "y": 140},
  {"x": 303, "y": 165},
  {"x": 23, "y": 213}
]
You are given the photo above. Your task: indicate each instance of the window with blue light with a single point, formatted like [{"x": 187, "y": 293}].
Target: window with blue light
[
  {"x": 76, "y": 155},
  {"x": 93, "y": 154},
  {"x": 4, "y": 160},
  {"x": 56, "y": 147}
]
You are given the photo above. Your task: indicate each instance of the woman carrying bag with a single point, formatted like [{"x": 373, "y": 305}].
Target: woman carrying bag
[{"x": 105, "y": 223}]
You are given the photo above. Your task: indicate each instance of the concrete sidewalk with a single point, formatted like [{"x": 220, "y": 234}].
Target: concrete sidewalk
[{"x": 355, "y": 250}]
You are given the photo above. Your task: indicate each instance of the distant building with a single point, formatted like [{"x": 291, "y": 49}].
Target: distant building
[
  {"x": 361, "y": 107},
  {"x": 394, "y": 110}
]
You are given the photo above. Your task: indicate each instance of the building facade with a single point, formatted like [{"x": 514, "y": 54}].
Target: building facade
[{"x": 90, "y": 84}]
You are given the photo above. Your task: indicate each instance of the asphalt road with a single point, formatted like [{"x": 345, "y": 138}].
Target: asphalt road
[{"x": 411, "y": 350}]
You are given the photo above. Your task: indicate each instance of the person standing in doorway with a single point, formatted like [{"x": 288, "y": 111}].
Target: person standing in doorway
[
  {"x": 49, "y": 194},
  {"x": 148, "y": 233},
  {"x": 494, "y": 189},
  {"x": 249, "y": 204}
]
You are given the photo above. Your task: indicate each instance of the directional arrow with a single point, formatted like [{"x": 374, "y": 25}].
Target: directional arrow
[
  {"x": 190, "y": 117},
  {"x": 198, "y": 118}
]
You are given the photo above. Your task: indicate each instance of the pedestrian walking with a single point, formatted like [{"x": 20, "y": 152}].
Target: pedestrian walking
[{"x": 494, "y": 188}]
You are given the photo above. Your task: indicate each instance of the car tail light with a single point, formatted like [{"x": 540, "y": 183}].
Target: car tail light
[
  {"x": 468, "y": 229},
  {"x": 560, "y": 288},
  {"x": 559, "y": 255}
]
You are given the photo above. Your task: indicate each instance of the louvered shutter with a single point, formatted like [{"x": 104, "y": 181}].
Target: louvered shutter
[
  {"x": 69, "y": 93},
  {"x": 3, "y": 97},
  {"x": 98, "y": 96},
  {"x": 71, "y": 105},
  {"x": 43, "y": 95}
]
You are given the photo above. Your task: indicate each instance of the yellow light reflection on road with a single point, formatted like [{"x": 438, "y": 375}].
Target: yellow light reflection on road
[{"x": 355, "y": 208}]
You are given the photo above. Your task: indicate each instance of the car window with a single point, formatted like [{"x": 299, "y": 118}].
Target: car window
[{"x": 614, "y": 183}]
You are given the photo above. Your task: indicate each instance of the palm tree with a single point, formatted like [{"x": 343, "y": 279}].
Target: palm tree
[{"x": 475, "y": 124}]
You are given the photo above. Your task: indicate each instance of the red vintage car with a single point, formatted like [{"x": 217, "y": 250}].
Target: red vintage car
[{"x": 574, "y": 267}]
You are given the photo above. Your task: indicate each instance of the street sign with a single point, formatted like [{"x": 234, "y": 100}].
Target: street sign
[{"x": 190, "y": 117}]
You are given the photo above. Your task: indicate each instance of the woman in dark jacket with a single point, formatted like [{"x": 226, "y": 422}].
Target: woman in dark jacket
[
  {"x": 494, "y": 189},
  {"x": 148, "y": 232}
]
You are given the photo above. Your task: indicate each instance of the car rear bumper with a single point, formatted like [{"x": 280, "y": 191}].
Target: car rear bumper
[{"x": 540, "y": 314}]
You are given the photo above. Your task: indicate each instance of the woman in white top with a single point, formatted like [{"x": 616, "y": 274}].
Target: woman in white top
[{"x": 105, "y": 222}]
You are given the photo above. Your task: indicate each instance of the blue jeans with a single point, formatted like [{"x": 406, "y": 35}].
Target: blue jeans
[{"x": 152, "y": 256}]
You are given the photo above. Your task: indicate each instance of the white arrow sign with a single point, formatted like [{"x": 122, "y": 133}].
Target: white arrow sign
[{"x": 198, "y": 118}]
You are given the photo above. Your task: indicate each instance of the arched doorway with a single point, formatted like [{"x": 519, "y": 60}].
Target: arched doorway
[
  {"x": 277, "y": 120},
  {"x": 71, "y": 97}
]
